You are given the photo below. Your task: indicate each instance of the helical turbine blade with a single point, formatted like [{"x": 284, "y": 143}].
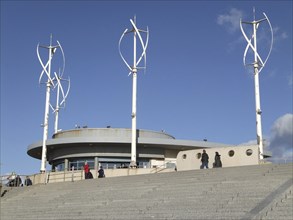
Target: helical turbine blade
[
  {"x": 63, "y": 56},
  {"x": 58, "y": 79},
  {"x": 62, "y": 92},
  {"x": 44, "y": 67},
  {"x": 41, "y": 75},
  {"x": 68, "y": 88},
  {"x": 144, "y": 46},
  {"x": 40, "y": 60},
  {"x": 119, "y": 47},
  {"x": 245, "y": 52},
  {"x": 53, "y": 109},
  {"x": 272, "y": 40},
  {"x": 249, "y": 45},
  {"x": 55, "y": 78}
]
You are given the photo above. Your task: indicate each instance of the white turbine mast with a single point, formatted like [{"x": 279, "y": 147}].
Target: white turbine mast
[
  {"x": 60, "y": 94},
  {"x": 258, "y": 65},
  {"x": 49, "y": 83},
  {"x": 133, "y": 70}
]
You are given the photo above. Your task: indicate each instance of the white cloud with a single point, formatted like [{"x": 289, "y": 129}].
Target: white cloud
[
  {"x": 230, "y": 20},
  {"x": 290, "y": 80},
  {"x": 251, "y": 142},
  {"x": 280, "y": 142},
  {"x": 281, "y": 139},
  {"x": 278, "y": 34},
  {"x": 284, "y": 35}
]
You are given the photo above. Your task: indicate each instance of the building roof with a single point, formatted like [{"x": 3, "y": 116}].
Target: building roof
[{"x": 117, "y": 136}]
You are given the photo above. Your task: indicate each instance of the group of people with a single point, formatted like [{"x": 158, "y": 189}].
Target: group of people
[
  {"x": 16, "y": 181},
  {"x": 88, "y": 174},
  {"x": 205, "y": 160}
]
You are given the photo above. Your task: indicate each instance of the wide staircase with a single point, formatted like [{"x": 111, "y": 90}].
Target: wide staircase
[{"x": 248, "y": 192}]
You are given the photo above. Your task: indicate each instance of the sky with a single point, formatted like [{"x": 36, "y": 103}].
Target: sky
[{"x": 195, "y": 85}]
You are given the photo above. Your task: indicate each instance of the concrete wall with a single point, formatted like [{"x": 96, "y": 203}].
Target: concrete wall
[
  {"x": 67, "y": 176},
  {"x": 110, "y": 132},
  {"x": 191, "y": 159}
]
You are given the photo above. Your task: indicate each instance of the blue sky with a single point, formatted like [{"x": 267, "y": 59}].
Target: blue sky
[{"x": 195, "y": 85}]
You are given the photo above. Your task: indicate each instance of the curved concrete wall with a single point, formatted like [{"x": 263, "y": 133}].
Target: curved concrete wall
[
  {"x": 191, "y": 159},
  {"x": 110, "y": 132},
  {"x": 103, "y": 142}
]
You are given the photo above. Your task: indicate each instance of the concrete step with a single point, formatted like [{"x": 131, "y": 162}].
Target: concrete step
[{"x": 227, "y": 193}]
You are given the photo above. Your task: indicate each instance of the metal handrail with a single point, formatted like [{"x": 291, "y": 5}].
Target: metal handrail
[
  {"x": 14, "y": 180},
  {"x": 280, "y": 160},
  {"x": 64, "y": 175},
  {"x": 161, "y": 167}
]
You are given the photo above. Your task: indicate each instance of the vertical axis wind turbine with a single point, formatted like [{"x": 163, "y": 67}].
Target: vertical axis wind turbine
[
  {"x": 258, "y": 65},
  {"x": 49, "y": 83},
  {"x": 58, "y": 78},
  {"x": 133, "y": 69}
]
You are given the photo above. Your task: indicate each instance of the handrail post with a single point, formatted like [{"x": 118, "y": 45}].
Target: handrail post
[{"x": 72, "y": 174}]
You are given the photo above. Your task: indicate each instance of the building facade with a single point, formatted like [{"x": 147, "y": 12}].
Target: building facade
[{"x": 111, "y": 148}]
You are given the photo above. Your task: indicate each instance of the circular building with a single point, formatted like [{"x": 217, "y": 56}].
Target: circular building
[{"x": 111, "y": 148}]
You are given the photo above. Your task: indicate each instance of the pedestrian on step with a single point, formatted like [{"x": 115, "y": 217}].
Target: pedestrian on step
[
  {"x": 86, "y": 169},
  {"x": 18, "y": 181},
  {"x": 218, "y": 162},
  {"x": 27, "y": 181},
  {"x": 11, "y": 179},
  {"x": 89, "y": 175},
  {"x": 101, "y": 172},
  {"x": 204, "y": 160}
]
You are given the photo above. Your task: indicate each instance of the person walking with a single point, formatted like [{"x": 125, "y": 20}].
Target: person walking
[
  {"x": 101, "y": 172},
  {"x": 218, "y": 162},
  {"x": 28, "y": 181},
  {"x": 89, "y": 175},
  {"x": 86, "y": 169},
  {"x": 204, "y": 160}
]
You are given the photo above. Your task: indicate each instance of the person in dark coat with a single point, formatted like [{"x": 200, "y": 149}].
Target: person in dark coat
[
  {"x": 218, "y": 162},
  {"x": 101, "y": 172},
  {"x": 27, "y": 181},
  {"x": 204, "y": 160},
  {"x": 18, "y": 181},
  {"x": 89, "y": 175}
]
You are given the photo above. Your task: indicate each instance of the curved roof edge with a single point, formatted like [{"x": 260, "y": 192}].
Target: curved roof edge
[{"x": 102, "y": 136}]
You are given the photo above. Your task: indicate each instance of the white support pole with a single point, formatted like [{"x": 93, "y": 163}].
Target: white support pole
[
  {"x": 257, "y": 97},
  {"x": 133, "y": 69},
  {"x": 57, "y": 110},
  {"x": 133, "y": 139},
  {"x": 133, "y": 115},
  {"x": 46, "y": 118},
  {"x": 258, "y": 65}
]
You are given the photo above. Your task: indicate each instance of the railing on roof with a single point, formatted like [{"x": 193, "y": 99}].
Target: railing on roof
[
  {"x": 164, "y": 167},
  {"x": 64, "y": 176},
  {"x": 281, "y": 160},
  {"x": 75, "y": 175}
]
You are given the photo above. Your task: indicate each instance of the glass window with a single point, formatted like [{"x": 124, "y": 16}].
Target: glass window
[
  {"x": 60, "y": 167},
  {"x": 249, "y": 152},
  {"x": 231, "y": 153},
  {"x": 171, "y": 165},
  {"x": 79, "y": 163},
  {"x": 198, "y": 155}
]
